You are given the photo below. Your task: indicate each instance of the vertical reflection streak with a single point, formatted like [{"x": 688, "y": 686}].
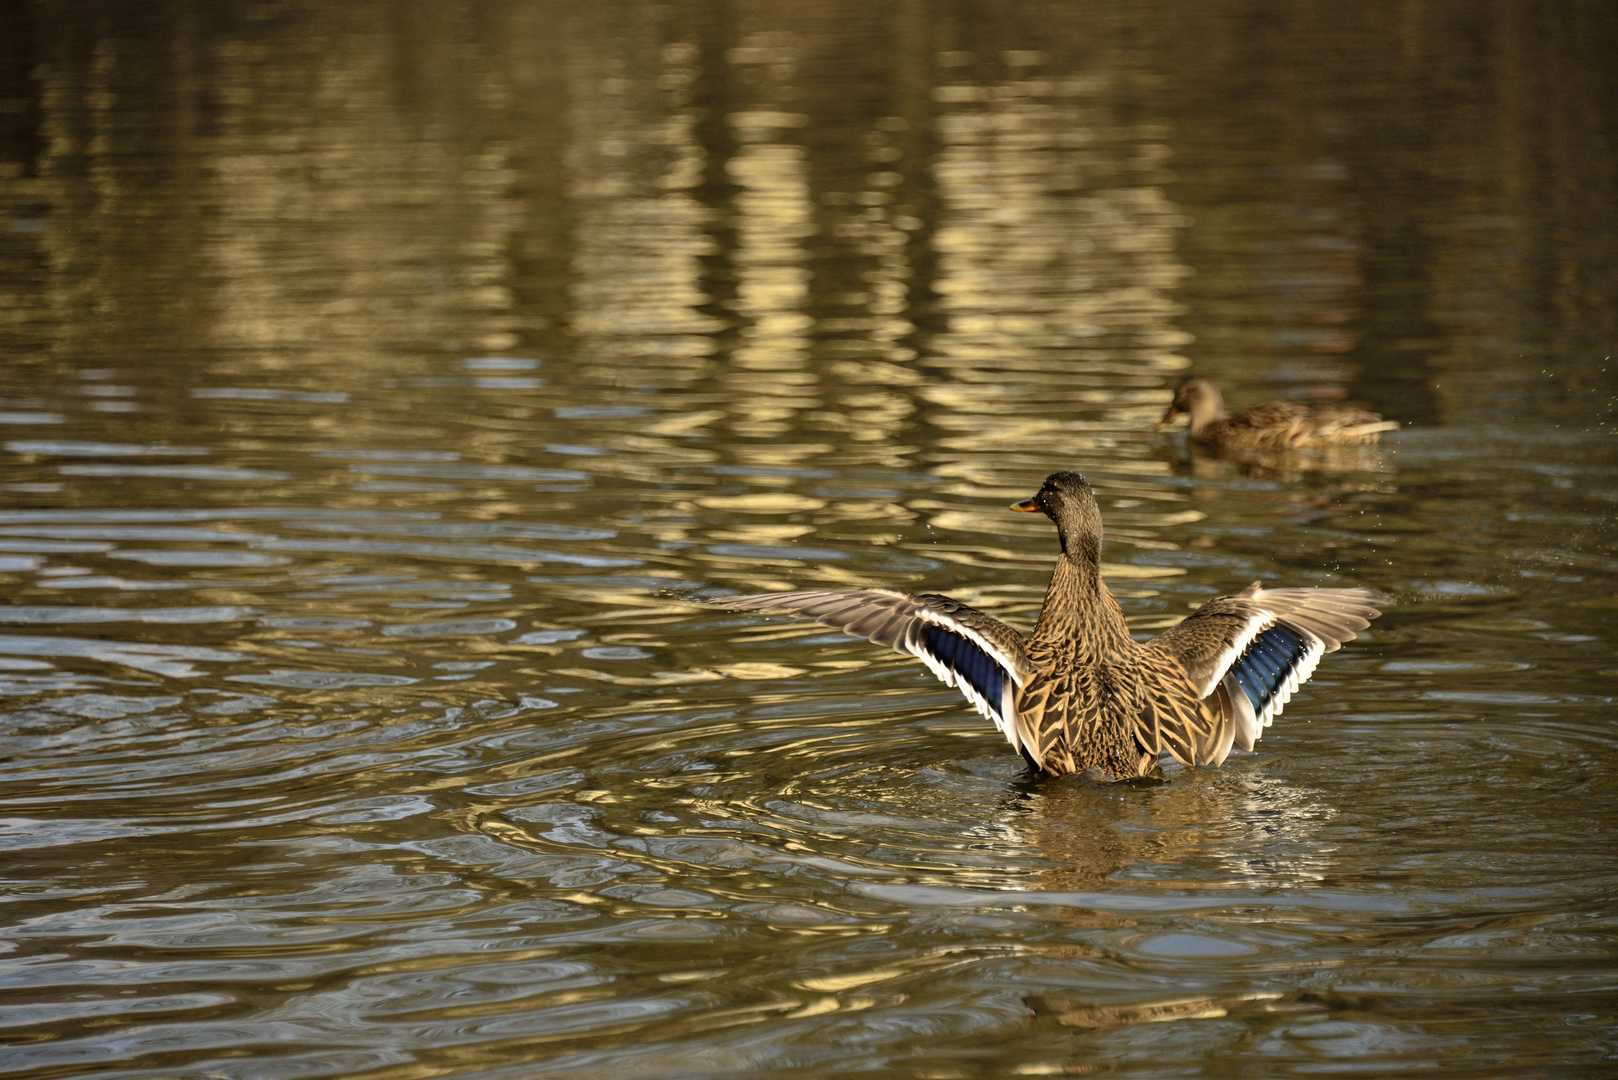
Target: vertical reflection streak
[
  {"x": 641, "y": 235},
  {"x": 874, "y": 361},
  {"x": 1055, "y": 264},
  {"x": 359, "y": 236},
  {"x": 773, "y": 216}
]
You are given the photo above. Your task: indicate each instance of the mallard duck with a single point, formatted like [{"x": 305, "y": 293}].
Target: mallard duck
[
  {"x": 1276, "y": 425},
  {"x": 1081, "y": 695}
]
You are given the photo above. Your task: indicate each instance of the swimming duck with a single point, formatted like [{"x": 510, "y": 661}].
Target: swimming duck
[
  {"x": 1081, "y": 695},
  {"x": 1276, "y": 425}
]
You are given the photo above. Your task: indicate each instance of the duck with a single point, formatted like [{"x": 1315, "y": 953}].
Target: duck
[
  {"x": 1079, "y": 694},
  {"x": 1275, "y": 425}
]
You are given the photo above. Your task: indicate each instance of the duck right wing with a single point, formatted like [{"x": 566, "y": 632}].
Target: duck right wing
[{"x": 1247, "y": 654}]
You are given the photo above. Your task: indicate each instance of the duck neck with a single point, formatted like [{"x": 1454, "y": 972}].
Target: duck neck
[
  {"x": 1206, "y": 410},
  {"x": 1080, "y": 615}
]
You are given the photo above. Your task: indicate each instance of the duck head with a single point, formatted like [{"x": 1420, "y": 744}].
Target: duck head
[
  {"x": 1066, "y": 499},
  {"x": 1197, "y": 398}
]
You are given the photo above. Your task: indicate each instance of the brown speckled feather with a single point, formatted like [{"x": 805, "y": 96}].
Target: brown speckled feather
[{"x": 1080, "y": 695}]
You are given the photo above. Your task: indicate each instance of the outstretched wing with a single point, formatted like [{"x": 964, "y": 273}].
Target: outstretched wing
[
  {"x": 1248, "y": 653},
  {"x": 965, "y": 648}
]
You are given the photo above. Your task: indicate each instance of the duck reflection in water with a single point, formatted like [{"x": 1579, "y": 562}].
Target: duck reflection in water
[
  {"x": 1247, "y": 828},
  {"x": 1079, "y": 695},
  {"x": 1244, "y": 834}
]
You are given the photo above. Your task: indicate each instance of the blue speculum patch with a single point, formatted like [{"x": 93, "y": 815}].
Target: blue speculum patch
[
  {"x": 1267, "y": 664},
  {"x": 969, "y": 662}
]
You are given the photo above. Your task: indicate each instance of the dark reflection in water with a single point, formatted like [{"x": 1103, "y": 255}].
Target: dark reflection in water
[{"x": 378, "y": 380}]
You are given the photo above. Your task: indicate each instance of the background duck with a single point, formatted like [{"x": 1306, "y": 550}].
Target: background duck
[
  {"x": 1079, "y": 694},
  {"x": 1275, "y": 425}
]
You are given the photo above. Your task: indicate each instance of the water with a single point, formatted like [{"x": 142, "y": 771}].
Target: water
[{"x": 381, "y": 381}]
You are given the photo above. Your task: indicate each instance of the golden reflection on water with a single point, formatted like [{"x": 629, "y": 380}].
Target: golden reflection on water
[
  {"x": 640, "y": 234},
  {"x": 1056, "y": 264},
  {"x": 319, "y": 228},
  {"x": 769, "y": 378}
]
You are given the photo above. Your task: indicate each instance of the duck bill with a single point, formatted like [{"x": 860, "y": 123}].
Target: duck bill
[
  {"x": 1027, "y": 506},
  {"x": 1169, "y": 417}
]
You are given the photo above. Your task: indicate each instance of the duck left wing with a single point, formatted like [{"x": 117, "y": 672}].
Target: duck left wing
[
  {"x": 1248, "y": 653},
  {"x": 977, "y": 653}
]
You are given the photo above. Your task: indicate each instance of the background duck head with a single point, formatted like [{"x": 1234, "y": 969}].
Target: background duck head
[{"x": 1197, "y": 398}]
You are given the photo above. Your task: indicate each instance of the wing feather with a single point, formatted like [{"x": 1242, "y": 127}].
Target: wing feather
[
  {"x": 963, "y": 647},
  {"x": 1247, "y": 654}
]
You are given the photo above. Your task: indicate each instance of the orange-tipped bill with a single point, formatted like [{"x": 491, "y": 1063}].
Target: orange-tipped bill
[
  {"x": 1027, "y": 506},
  {"x": 1169, "y": 417}
]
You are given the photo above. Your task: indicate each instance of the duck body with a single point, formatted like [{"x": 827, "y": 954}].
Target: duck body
[
  {"x": 1091, "y": 682},
  {"x": 1079, "y": 694},
  {"x": 1276, "y": 425}
]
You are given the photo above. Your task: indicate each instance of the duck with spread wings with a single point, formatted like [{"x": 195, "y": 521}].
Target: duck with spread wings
[{"x": 1079, "y": 694}]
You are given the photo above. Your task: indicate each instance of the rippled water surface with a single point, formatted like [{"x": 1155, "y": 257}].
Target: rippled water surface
[{"x": 380, "y": 383}]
